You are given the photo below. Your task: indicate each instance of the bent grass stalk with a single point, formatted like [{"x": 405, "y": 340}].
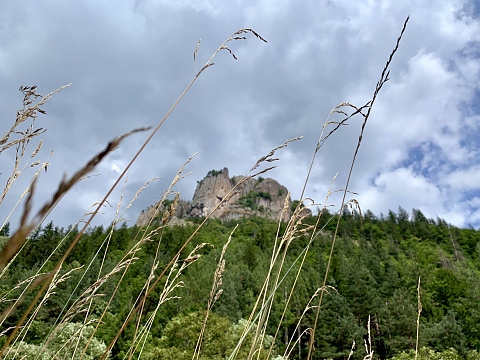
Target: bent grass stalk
[
  {"x": 143, "y": 238},
  {"x": 267, "y": 158},
  {"x": 17, "y": 240},
  {"x": 146, "y": 236},
  {"x": 347, "y": 116},
  {"x": 383, "y": 79},
  {"x": 419, "y": 308},
  {"x": 215, "y": 294},
  {"x": 329, "y": 192},
  {"x": 26, "y": 226},
  {"x": 174, "y": 268}
]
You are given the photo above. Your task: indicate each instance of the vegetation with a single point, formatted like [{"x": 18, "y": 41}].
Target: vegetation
[
  {"x": 429, "y": 354},
  {"x": 374, "y": 275},
  {"x": 250, "y": 200},
  {"x": 180, "y": 334},
  {"x": 213, "y": 173},
  {"x": 309, "y": 288},
  {"x": 295, "y": 204}
]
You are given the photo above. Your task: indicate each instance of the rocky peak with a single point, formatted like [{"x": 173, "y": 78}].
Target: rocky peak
[
  {"x": 210, "y": 192},
  {"x": 252, "y": 197},
  {"x": 259, "y": 197}
]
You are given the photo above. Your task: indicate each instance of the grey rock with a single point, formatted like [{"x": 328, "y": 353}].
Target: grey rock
[{"x": 231, "y": 199}]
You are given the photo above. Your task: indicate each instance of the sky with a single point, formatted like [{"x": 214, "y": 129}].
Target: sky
[{"x": 128, "y": 61}]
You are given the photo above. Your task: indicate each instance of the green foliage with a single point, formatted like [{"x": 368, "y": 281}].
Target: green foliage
[
  {"x": 3, "y": 241},
  {"x": 213, "y": 173},
  {"x": 426, "y": 353},
  {"x": 375, "y": 268},
  {"x": 220, "y": 339},
  {"x": 264, "y": 195},
  {"x": 5, "y": 231},
  {"x": 295, "y": 204},
  {"x": 444, "y": 334},
  {"x": 250, "y": 200},
  {"x": 68, "y": 342},
  {"x": 166, "y": 203}
]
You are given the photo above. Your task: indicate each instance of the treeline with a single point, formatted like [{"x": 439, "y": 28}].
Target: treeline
[{"x": 374, "y": 274}]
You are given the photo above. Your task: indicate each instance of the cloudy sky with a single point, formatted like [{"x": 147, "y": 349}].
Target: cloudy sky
[{"x": 129, "y": 60}]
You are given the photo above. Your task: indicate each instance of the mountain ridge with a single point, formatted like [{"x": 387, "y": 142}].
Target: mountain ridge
[{"x": 262, "y": 197}]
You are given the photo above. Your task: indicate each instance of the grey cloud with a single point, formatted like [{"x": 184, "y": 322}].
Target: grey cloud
[{"x": 129, "y": 62}]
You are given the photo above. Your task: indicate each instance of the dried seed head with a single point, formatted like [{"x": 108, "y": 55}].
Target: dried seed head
[{"x": 192, "y": 259}]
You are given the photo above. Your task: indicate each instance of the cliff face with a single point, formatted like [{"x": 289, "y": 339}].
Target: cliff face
[
  {"x": 210, "y": 191},
  {"x": 260, "y": 197},
  {"x": 253, "y": 197},
  {"x": 182, "y": 210}
]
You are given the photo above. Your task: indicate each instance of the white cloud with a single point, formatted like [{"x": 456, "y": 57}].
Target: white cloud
[
  {"x": 401, "y": 186},
  {"x": 463, "y": 180}
]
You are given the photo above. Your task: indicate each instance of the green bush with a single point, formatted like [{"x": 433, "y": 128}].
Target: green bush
[{"x": 68, "y": 343}]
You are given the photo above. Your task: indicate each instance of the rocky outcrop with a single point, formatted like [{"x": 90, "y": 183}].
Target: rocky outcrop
[
  {"x": 210, "y": 192},
  {"x": 238, "y": 197},
  {"x": 182, "y": 210},
  {"x": 232, "y": 198}
]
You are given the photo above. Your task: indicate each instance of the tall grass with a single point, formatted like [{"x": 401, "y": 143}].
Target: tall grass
[{"x": 78, "y": 342}]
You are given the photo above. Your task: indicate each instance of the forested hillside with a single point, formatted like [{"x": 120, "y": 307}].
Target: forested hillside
[{"x": 374, "y": 272}]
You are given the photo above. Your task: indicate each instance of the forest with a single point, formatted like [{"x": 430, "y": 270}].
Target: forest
[{"x": 386, "y": 275}]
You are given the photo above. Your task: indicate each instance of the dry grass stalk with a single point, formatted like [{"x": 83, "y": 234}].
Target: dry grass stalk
[
  {"x": 30, "y": 283},
  {"x": 127, "y": 260},
  {"x": 91, "y": 291},
  {"x": 159, "y": 205},
  {"x": 383, "y": 79},
  {"x": 295, "y": 229},
  {"x": 263, "y": 296},
  {"x": 290, "y": 346},
  {"x": 419, "y": 304},
  {"x": 238, "y": 35},
  {"x": 73, "y": 341},
  {"x": 262, "y": 306},
  {"x": 99, "y": 278},
  {"x": 144, "y": 235},
  {"x": 269, "y": 157},
  {"x": 43, "y": 166},
  {"x": 344, "y": 122},
  {"x": 266, "y": 296},
  {"x": 351, "y": 350},
  {"x": 368, "y": 343},
  {"x": 138, "y": 192},
  {"x": 166, "y": 217},
  {"x": 303, "y": 257},
  {"x": 275, "y": 253},
  {"x": 167, "y": 267},
  {"x": 17, "y": 240},
  {"x": 90, "y": 294},
  {"x": 172, "y": 283},
  {"x": 254, "y": 318},
  {"x": 33, "y": 282},
  {"x": 26, "y": 226},
  {"x": 29, "y": 112},
  {"x": 55, "y": 280},
  {"x": 215, "y": 293}
]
